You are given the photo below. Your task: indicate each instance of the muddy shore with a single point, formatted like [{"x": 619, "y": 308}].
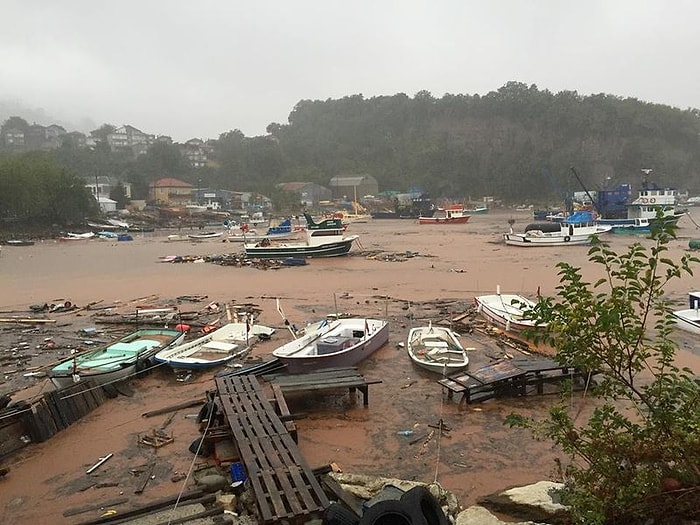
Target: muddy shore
[{"x": 400, "y": 270}]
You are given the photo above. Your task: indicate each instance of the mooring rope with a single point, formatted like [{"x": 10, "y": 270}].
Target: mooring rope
[{"x": 194, "y": 459}]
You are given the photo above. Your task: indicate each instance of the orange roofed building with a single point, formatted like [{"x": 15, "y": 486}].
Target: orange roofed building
[{"x": 170, "y": 192}]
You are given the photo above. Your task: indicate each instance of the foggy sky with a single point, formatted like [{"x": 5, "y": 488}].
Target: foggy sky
[{"x": 198, "y": 69}]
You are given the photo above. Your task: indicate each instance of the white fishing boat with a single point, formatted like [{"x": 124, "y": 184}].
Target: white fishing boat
[
  {"x": 689, "y": 319},
  {"x": 507, "y": 310},
  {"x": 204, "y": 236},
  {"x": 437, "y": 349},
  {"x": 577, "y": 228},
  {"x": 323, "y": 239},
  {"x": 340, "y": 343},
  {"x": 215, "y": 348}
]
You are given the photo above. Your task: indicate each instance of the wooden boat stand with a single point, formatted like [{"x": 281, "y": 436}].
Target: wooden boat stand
[
  {"x": 284, "y": 486},
  {"x": 509, "y": 378},
  {"x": 325, "y": 379}
]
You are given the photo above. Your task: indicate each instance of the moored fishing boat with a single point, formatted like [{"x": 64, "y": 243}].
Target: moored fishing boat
[
  {"x": 204, "y": 236},
  {"x": 576, "y": 229},
  {"x": 322, "y": 239},
  {"x": 116, "y": 361},
  {"x": 340, "y": 343},
  {"x": 437, "y": 349},
  {"x": 454, "y": 214},
  {"x": 642, "y": 213},
  {"x": 215, "y": 348},
  {"x": 507, "y": 310},
  {"x": 689, "y": 319}
]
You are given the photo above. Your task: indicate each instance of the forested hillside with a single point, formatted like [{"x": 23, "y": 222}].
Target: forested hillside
[{"x": 516, "y": 144}]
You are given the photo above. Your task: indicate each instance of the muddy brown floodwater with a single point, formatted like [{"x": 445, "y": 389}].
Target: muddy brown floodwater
[{"x": 400, "y": 270}]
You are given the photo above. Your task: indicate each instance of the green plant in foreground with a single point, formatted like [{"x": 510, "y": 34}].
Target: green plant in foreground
[{"x": 635, "y": 456}]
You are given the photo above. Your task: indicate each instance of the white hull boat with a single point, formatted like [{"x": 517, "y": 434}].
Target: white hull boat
[
  {"x": 507, "y": 311},
  {"x": 576, "y": 229},
  {"x": 436, "y": 349},
  {"x": 689, "y": 319},
  {"x": 340, "y": 343},
  {"x": 215, "y": 348}
]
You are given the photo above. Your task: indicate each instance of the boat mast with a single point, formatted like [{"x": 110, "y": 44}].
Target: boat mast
[{"x": 586, "y": 190}]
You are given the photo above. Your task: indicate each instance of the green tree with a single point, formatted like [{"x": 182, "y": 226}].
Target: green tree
[
  {"x": 15, "y": 123},
  {"x": 101, "y": 133},
  {"x": 38, "y": 189},
  {"x": 636, "y": 459}
]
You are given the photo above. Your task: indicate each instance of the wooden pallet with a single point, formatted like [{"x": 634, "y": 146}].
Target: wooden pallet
[{"x": 283, "y": 484}]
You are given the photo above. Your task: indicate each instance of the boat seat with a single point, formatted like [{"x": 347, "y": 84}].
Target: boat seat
[
  {"x": 435, "y": 344},
  {"x": 133, "y": 347},
  {"x": 219, "y": 346}
]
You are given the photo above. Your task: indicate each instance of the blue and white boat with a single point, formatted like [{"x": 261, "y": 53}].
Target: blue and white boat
[
  {"x": 642, "y": 212},
  {"x": 322, "y": 239}
]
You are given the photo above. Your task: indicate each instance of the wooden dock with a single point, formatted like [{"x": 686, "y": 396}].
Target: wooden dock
[
  {"x": 283, "y": 484},
  {"x": 326, "y": 379},
  {"x": 511, "y": 378}
]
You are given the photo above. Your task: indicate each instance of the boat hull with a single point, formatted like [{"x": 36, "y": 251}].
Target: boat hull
[
  {"x": 99, "y": 378},
  {"x": 281, "y": 251},
  {"x": 297, "y": 361},
  {"x": 452, "y": 220},
  {"x": 500, "y": 310},
  {"x": 521, "y": 239},
  {"x": 688, "y": 320}
]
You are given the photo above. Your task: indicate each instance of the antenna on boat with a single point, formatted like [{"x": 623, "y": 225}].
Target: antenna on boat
[{"x": 284, "y": 318}]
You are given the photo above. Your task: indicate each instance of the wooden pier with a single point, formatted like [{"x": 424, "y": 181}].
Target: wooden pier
[
  {"x": 510, "y": 378},
  {"x": 283, "y": 484}
]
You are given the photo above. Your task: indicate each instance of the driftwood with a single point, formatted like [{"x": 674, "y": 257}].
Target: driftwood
[
  {"x": 172, "y": 408},
  {"x": 193, "y": 497},
  {"x": 25, "y": 320}
]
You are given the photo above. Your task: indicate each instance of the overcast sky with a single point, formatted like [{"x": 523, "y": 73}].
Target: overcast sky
[{"x": 200, "y": 68}]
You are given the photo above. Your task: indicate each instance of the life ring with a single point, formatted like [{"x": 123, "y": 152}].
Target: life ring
[
  {"x": 644, "y": 200},
  {"x": 567, "y": 238},
  {"x": 652, "y": 200}
]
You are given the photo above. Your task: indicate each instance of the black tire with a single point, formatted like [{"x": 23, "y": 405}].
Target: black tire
[
  {"x": 419, "y": 500},
  {"x": 391, "y": 512},
  {"x": 336, "y": 514},
  {"x": 208, "y": 411},
  {"x": 567, "y": 238}
]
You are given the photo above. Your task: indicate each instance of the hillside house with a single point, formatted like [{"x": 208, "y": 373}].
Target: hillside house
[
  {"x": 171, "y": 192},
  {"x": 129, "y": 138}
]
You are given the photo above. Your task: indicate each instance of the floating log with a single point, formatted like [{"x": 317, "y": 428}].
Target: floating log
[{"x": 25, "y": 320}]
